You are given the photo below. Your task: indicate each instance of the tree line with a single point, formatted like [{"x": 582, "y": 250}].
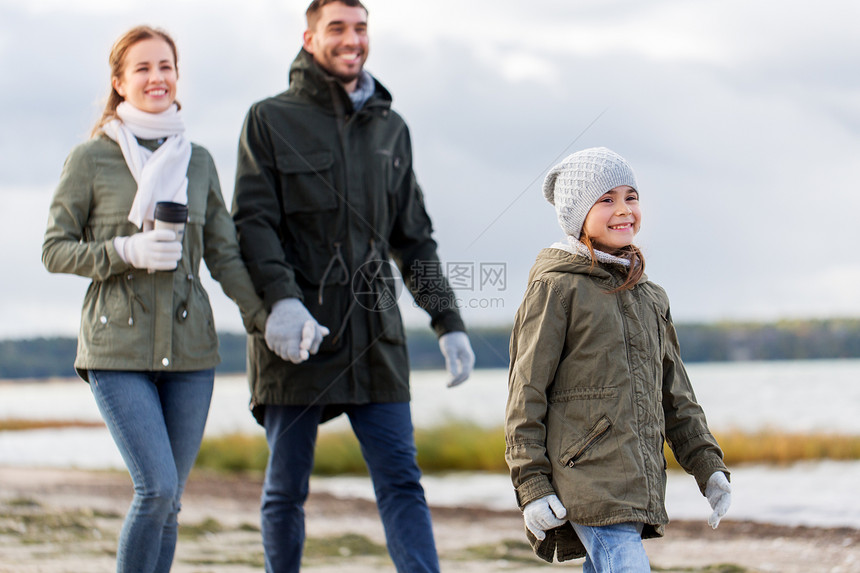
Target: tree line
[{"x": 700, "y": 342}]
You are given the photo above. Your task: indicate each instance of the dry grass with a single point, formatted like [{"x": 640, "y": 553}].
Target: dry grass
[
  {"x": 773, "y": 447},
  {"x": 462, "y": 446},
  {"x": 17, "y": 425},
  {"x": 458, "y": 446}
]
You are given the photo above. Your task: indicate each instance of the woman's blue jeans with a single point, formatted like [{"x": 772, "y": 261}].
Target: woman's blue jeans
[
  {"x": 387, "y": 443},
  {"x": 157, "y": 421},
  {"x": 613, "y": 548}
]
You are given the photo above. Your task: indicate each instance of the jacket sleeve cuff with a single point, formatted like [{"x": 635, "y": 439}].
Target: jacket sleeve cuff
[
  {"x": 255, "y": 323},
  {"x": 280, "y": 292},
  {"x": 117, "y": 263},
  {"x": 448, "y": 321},
  {"x": 532, "y": 489},
  {"x": 705, "y": 469}
]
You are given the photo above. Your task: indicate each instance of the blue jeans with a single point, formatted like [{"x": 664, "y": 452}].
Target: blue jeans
[
  {"x": 157, "y": 421},
  {"x": 613, "y": 548},
  {"x": 387, "y": 443}
]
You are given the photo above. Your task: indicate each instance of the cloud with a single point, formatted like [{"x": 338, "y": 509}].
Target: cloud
[{"x": 741, "y": 120}]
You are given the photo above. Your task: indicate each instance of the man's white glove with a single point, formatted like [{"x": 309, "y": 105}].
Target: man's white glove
[
  {"x": 719, "y": 494},
  {"x": 543, "y": 514},
  {"x": 152, "y": 250},
  {"x": 459, "y": 358},
  {"x": 291, "y": 332}
]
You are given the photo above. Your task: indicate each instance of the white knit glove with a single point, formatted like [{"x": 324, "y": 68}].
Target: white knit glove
[
  {"x": 719, "y": 494},
  {"x": 543, "y": 514},
  {"x": 152, "y": 250},
  {"x": 459, "y": 358},
  {"x": 291, "y": 332}
]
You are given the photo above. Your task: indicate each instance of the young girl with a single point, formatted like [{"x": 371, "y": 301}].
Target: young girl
[
  {"x": 147, "y": 343},
  {"x": 597, "y": 385}
]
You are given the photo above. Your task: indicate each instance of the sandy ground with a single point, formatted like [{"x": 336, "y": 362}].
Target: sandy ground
[{"x": 66, "y": 521}]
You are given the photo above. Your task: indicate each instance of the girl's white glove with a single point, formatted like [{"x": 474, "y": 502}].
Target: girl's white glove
[
  {"x": 151, "y": 250},
  {"x": 719, "y": 494},
  {"x": 459, "y": 358},
  {"x": 543, "y": 514},
  {"x": 291, "y": 332}
]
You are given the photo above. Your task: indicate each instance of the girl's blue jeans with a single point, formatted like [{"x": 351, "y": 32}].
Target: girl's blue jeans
[
  {"x": 385, "y": 433},
  {"x": 613, "y": 548},
  {"x": 157, "y": 421}
]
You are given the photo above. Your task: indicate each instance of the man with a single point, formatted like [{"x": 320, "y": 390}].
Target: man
[{"x": 325, "y": 195}]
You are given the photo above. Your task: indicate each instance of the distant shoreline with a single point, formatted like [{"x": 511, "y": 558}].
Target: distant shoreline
[
  {"x": 809, "y": 339},
  {"x": 73, "y": 378}
]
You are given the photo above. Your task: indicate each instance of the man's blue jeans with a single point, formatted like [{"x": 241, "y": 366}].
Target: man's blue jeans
[
  {"x": 613, "y": 548},
  {"x": 157, "y": 421},
  {"x": 387, "y": 443}
]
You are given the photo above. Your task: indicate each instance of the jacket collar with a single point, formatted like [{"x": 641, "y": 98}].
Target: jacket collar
[
  {"x": 553, "y": 259},
  {"x": 308, "y": 79}
]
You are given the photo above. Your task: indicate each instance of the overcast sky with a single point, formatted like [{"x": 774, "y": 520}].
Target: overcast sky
[{"x": 741, "y": 120}]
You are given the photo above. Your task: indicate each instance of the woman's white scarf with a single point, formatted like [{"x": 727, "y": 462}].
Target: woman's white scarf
[
  {"x": 160, "y": 175},
  {"x": 578, "y": 248}
]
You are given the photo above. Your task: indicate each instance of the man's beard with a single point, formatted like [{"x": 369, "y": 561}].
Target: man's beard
[{"x": 346, "y": 78}]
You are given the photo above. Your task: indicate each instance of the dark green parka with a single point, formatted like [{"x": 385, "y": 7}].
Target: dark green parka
[
  {"x": 324, "y": 196},
  {"x": 596, "y": 386}
]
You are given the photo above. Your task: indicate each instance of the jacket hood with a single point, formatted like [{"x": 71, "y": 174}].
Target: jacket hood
[
  {"x": 552, "y": 260},
  {"x": 310, "y": 80}
]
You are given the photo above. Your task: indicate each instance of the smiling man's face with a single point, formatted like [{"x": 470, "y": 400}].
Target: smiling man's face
[{"x": 339, "y": 42}]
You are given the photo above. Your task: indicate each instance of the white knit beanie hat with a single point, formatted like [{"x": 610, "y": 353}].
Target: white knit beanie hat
[{"x": 575, "y": 184}]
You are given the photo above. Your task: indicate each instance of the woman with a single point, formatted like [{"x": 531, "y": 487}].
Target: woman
[{"x": 147, "y": 343}]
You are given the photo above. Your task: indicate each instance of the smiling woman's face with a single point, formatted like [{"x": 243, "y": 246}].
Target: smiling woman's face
[{"x": 148, "y": 80}]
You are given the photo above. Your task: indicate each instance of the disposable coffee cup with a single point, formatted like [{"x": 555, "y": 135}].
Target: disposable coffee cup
[{"x": 172, "y": 217}]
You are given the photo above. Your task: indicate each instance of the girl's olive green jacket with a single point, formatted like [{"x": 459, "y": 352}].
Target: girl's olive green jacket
[
  {"x": 132, "y": 319},
  {"x": 596, "y": 385}
]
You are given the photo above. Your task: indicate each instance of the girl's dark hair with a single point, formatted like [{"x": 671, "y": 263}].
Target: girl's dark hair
[
  {"x": 630, "y": 252},
  {"x": 117, "y": 65}
]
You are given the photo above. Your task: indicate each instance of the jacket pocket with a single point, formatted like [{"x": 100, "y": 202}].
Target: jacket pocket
[
  {"x": 194, "y": 335},
  {"x": 582, "y": 393},
  {"x": 390, "y": 325},
  {"x": 307, "y": 185},
  {"x": 108, "y": 327},
  {"x": 582, "y": 445}
]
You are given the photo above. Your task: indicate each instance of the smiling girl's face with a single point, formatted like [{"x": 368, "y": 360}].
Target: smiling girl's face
[
  {"x": 614, "y": 219},
  {"x": 148, "y": 80}
]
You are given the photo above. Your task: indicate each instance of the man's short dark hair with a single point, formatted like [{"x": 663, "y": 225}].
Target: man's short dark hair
[{"x": 313, "y": 11}]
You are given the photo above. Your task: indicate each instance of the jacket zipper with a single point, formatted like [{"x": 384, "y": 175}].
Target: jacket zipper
[{"x": 598, "y": 431}]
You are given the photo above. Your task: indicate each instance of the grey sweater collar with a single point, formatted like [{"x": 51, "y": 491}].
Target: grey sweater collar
[{"x": 576, "y": 247}]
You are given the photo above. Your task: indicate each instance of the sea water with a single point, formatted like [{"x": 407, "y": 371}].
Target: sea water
[{"x": 789, "y": 396}]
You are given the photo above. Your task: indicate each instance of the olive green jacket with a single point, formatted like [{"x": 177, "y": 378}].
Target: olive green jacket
[
  {"x": 596, "y": 385},
  {"x": 324, "y": 196},
  {"x": 132, "y": 319}
]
